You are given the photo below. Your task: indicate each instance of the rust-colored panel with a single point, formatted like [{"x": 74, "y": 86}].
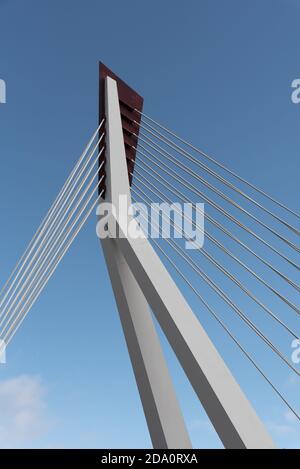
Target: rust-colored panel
[{"x": 129, "y": 100}]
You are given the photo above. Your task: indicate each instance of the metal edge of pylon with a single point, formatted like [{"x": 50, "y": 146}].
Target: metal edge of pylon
[{"x": 130, "y": 101}]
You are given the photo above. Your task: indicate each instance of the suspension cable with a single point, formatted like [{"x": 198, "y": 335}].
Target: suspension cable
[
  {"x": 227, "y": 330},
  {"x": 225, "y": 297},
  {"x": 57, "y": 200},
  {"x": 229, "y": 275},
  {"x": 223, "y": 325},
  {"x": 170, "y": 172},
  {"x": 27, "y": 306},
  {"x": 192, "y": 173},
  {"x": 159, "y": 136},
  {"x": 53, "y": 224},
  {"x": 151, "y": 187},
  {"x": 41, "y": 261},
  {"x": 176, "y": 192},
  {"x": 220, "y": 165}
]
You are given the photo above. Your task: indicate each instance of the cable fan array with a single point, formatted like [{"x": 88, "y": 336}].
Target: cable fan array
[
  {"x": 248, "y": 260},
  {"x": 61, "y": 225},
  {"x": 247, "y": 272}
]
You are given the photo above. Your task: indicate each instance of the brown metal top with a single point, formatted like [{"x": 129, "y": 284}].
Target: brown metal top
[{"x": 129, "y": 101}]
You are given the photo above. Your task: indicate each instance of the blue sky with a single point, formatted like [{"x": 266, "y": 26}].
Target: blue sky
[{"x": 220, "y": 74}]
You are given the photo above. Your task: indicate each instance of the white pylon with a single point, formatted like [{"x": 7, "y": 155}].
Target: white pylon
[{"x": 140, "y": 279}]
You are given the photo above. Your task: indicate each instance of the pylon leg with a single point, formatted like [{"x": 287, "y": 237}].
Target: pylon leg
[
  {"x": 164, "y": 418},
  {"x": 230, "y": 412}
]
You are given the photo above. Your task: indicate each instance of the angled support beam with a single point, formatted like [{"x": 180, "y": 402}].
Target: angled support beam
[
  {"x": 163, "y": 415},
  {"x": 230, "y": 412}
]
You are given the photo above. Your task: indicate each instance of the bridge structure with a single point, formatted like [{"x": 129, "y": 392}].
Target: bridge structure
[{"x": 133, "y": 157}]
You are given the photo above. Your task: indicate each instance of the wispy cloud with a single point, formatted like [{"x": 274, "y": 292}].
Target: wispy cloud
[
  {"x": 292, "y": 381},
  {"x": 280, "y": 428},
  {"x": 285, "y": 429},
  {"x": 23, "y": 413},
  {"x": 201, "y": 424},
  {"x": 290, "y": 417}
]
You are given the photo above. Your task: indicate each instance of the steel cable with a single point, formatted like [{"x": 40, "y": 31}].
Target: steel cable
[{"x": 220, "y": 165}]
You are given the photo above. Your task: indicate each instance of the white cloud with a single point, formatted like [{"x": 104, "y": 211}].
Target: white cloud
[
  {"x": 292, "y": 381},
  {"x": 201, "y": 424},
  {"x": 23, "y": 416},
  {"x": 286, "y": 425},
  {"x": 290, "y": 416},
  {"x": 280, "y": 428}
]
